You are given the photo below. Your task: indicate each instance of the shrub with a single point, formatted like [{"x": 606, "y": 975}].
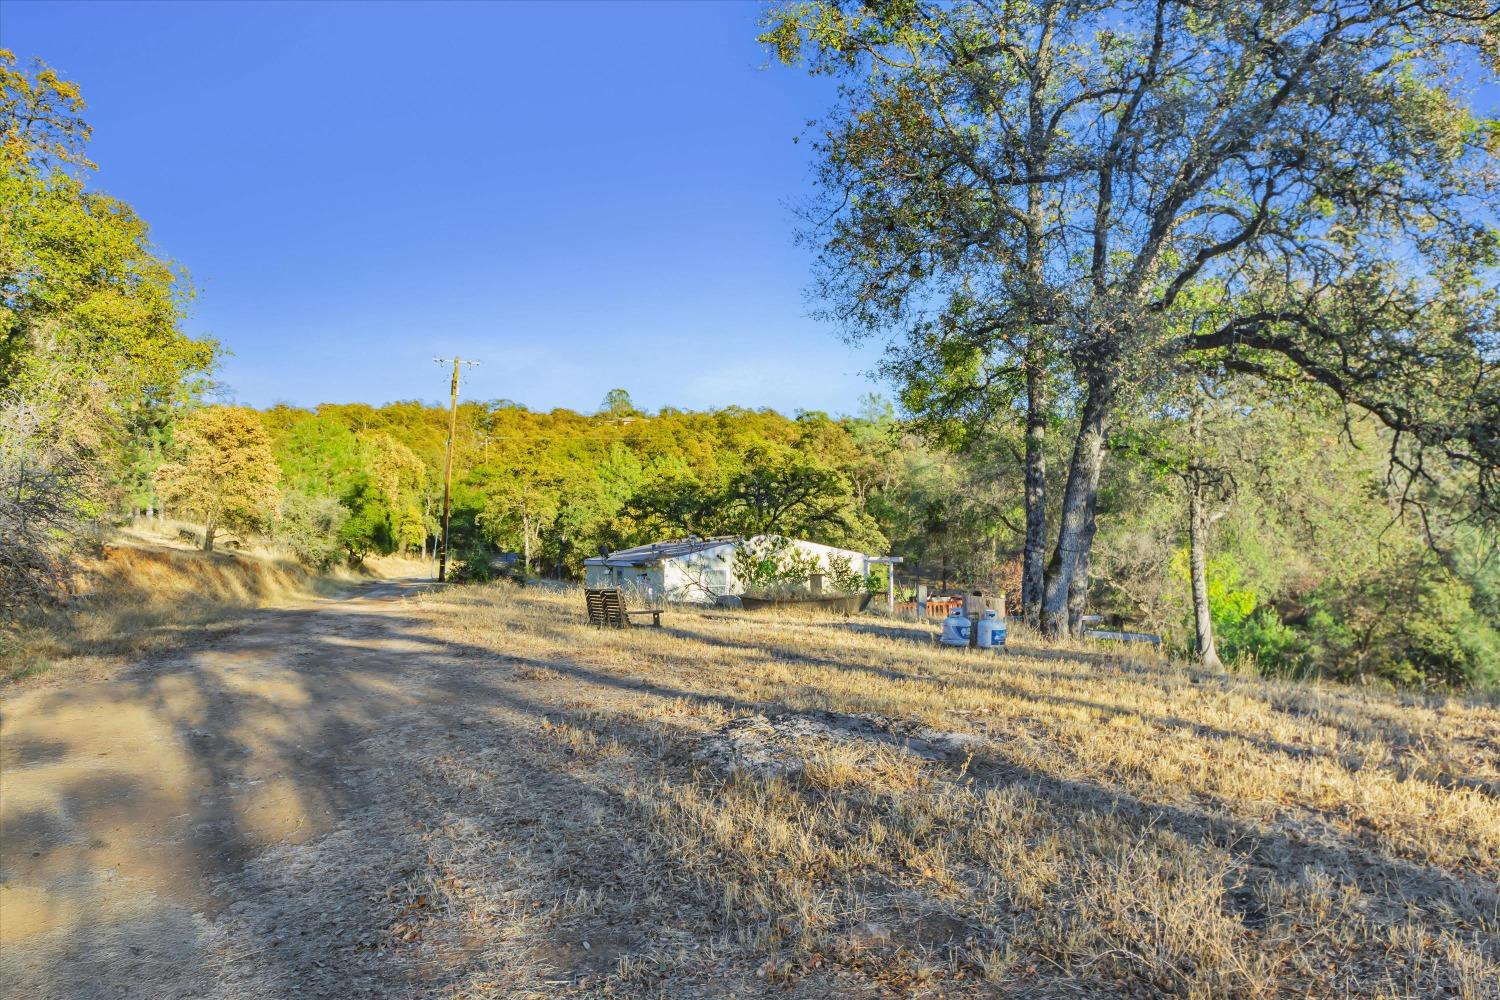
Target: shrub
[
  {"x": 43, "y": 511},
  {"x": 842, "y": 577},
  {"x": 1261, "y": 638},
  {"x": 771, "y": 564},
  {"x": 310, "y": 528},
  {"x": 477, "y": 562}
]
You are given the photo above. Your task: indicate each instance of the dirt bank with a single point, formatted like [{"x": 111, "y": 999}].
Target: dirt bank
[{"x": 140, "y": 596}]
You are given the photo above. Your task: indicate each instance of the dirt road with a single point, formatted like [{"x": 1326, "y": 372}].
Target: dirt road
[
  {"x": 225, "y": 821},
  {"x": 348, "y": 798}
]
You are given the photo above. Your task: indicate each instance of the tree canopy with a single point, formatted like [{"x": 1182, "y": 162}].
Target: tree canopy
[
  {"x": 94, "y": 364},
  {"x": 1100, "y": 190},
  {"x": 86, "y": 298},
  {"x": 223, "y": 472}
]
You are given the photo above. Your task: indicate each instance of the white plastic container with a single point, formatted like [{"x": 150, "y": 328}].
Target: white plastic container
[
  {"x": 956, "y": 628},
  {"x": 991, "y": 631}
]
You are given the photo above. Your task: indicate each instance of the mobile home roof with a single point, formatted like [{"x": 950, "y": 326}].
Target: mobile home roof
[{"x": 644, "y": 555}]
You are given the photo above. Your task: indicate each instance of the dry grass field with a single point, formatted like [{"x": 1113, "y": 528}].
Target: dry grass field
[
  {"x": 470, "y": 793},
  {"x": 836, "y": 807}
]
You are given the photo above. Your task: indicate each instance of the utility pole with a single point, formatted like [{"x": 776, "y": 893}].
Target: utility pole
[{"x": 448, "y": 459}]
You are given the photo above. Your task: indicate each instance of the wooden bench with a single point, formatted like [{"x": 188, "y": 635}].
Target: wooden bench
[{"x": 607, "y": 607}]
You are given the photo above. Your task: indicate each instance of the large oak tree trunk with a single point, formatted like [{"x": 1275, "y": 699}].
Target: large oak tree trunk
[
  {"x": 1203, "y": 620},
  {"x": 1075, "y": 534},
  {"x": 208, "y": 533},
  {"x": 1078, "y": 588},
  {"x": 1033, "y": 560}
]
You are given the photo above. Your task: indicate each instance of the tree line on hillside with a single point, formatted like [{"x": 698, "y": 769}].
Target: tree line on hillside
[
  {"x": 1248, "y": 515},
  {"x": 1313, "y": 568}
]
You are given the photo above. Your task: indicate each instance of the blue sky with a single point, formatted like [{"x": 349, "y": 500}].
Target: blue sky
[{"x": 581, "y": 196}]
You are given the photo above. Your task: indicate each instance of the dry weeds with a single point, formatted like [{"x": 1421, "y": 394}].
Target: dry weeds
[
  {"x": 675, "y": 812},
  {"x": 144, "y": 594}
]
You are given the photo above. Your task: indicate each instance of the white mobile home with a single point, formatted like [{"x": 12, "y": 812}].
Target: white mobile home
[{"x": 695, "y": 570}]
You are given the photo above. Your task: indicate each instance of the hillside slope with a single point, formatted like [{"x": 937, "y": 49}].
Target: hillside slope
[{"x": 146, "y": 592}]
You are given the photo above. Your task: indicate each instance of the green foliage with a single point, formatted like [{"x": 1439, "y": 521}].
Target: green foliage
[
  {"x": 349, "y": 455},
  {"x": 1248, "y": 632},
  {"x": 518, "y": 507},
  {"x": 771, "y": 564},
  {"x": 473, "y": 564},
  {"x": 367, "y": 530},
  {"x": 617, "y": 404},
  {"x": 843, "y": 577},
  {"x": 1047, "y": 212},
  {"x": 1410, "y": 623},
  {"x": 673, "y": 506},
  {"x": 1314, "y": 567},
  {"x": 1264, "y": 641},
  {"x": 91, "y": 345},
  {"x": 1413, "y": 622},
  {"x": 795, "y": 496},
  {"x": 84, "y": 293},
  {"x": 310, "y": 526},
  {"x": 770, "y": 490},
  {"x": 401, "y": 478}
]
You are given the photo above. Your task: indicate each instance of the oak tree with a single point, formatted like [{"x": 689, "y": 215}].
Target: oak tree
[
  {"x": 1017, "y": 191},
  {"x": 224, "y": 473}
]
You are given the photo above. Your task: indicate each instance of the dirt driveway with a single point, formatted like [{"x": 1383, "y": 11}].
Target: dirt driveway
[
  {"x": 346, "y": 798},
  {"x": 156, "y": 827}
]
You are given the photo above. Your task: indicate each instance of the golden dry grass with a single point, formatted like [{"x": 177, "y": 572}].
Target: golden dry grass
[
  {"x": 139, "y": 596},
  {"x": 1120, "y": 825}
]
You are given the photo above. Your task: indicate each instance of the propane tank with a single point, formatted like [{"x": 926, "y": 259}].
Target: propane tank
[
  {"x": 956, "y": 628},
  {"x": 991, "y": 630}
]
